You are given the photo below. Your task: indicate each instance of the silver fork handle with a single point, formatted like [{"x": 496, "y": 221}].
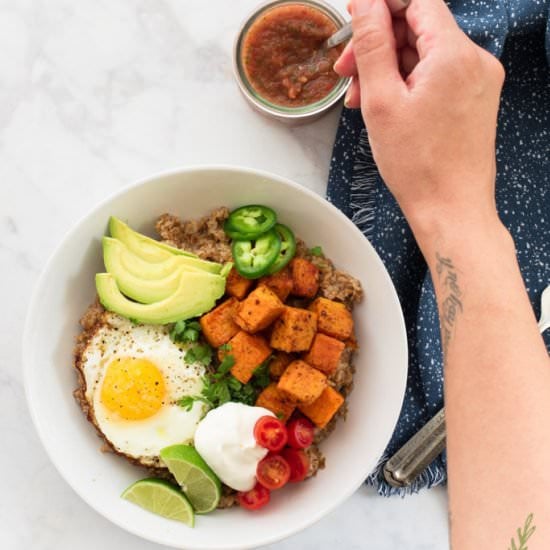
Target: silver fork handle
[{"x": 405, "y": 465}]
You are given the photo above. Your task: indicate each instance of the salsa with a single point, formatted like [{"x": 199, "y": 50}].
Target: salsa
[{"x": 283, "y": 58}]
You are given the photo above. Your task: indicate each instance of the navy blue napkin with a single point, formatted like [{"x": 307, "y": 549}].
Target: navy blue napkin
[{"x": 518, "y": 32}]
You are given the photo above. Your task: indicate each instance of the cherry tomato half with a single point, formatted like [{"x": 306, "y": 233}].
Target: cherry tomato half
[
  {"x": 300, "y": 433},
  {"x": 270, "y": 433},
  {"x": 273, "y": 471},
  {"x": 298, "y": 462},
  {"x": 257, "y": 497}
]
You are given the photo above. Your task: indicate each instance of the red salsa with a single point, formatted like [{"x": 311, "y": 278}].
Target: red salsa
[{"x": 283, "y": 59}]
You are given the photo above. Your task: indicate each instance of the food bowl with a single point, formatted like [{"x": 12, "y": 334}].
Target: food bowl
[
  {"x": 66, "y": 288},
  {"x": 285, "y": 114}
]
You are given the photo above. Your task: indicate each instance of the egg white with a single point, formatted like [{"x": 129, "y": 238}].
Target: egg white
[{"x": 142, "y": 439}]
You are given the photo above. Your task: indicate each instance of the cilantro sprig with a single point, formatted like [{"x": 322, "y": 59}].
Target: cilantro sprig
[
  {"x": 316, "y": 251},
  {"x": 220, "y": 386},
  {"x": 185, "y": 332}
]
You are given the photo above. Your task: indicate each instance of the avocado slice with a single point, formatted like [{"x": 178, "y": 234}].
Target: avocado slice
[
  {"x": 145, "y": 247},
  {"x": 117, "y": 255},
  {"x": 196, "y": 294}
]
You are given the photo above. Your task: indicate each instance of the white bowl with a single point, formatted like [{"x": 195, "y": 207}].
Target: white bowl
[{"x": 66, "y": 288}]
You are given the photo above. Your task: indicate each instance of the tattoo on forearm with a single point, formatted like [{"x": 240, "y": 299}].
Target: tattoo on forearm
[
  {"x": 451, "y": 302},
  {"x": 523, "y": 535}
]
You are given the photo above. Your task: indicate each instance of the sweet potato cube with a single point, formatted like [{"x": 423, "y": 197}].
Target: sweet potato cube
[
  {"x": 321, "y": 411},
  {"x": 258, "y": 310},
  {"x": 278, "y": 364},
  {"x": 325, "y": 353},
  {"x": 333, "y": 318},
  {"x": 218, "y": 326},
  {"x": 249, "y": 352},
  {"x": 301, "y": 382},
  {"x": 281, "y": 283},
  {"x": 294, "y": 330},
  {"x": 236, "y": 285},
  {"x": 276, "y": 401},
  {"x": 305, "y": 278}
]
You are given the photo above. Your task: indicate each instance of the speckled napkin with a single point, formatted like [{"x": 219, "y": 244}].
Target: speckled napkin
[{"x": 518, "y": 32}]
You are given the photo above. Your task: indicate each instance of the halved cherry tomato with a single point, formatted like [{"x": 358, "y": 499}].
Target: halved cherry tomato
[
  {"x": 300, "y": 433},
  {"x": 270, "y": 433},
  {"x": 273, "y": 471},
  {"x": 298, "y": 462},
  {"x": 257, "y": 497}
]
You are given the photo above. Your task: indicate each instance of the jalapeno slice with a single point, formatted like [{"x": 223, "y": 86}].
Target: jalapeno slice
[
  {"x": 288, "y": 247},
  {"x": 249, "y": 222},
  {"x": 254, "y": 257}
]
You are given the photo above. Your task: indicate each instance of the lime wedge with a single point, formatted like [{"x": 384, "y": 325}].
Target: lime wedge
[
  {"x": 161, "y": 498},
  {"x": 198, "y": 481}
]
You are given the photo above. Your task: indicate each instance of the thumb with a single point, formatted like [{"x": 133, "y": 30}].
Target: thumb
[{"x": 375, "y": 51}]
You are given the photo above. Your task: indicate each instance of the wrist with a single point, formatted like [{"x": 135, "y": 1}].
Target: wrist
[{"x": 468, "y": 233}]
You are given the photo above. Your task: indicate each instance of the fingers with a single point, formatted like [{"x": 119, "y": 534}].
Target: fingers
[
  {"x": 353, "y": 95},
  {"x": 345, "y": 65},
  {"x": 431, "y": 23},
  {"x": 397, "y": 7},
  {"x": 408, "y": 59},
  {"x": 375, "y": 50}
]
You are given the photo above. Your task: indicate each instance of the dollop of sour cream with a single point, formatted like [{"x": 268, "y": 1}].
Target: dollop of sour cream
[{"x": 225, "y": 440}]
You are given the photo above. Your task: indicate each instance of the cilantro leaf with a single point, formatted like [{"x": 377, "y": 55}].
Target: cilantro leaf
[
  {"x": 316, "y": 251},
  {"x": 200, "y": 353},
  {"x": 261, "y": 374}
]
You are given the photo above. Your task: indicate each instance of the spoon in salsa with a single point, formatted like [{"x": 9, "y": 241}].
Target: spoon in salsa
[{"x": 339, "y": 37}]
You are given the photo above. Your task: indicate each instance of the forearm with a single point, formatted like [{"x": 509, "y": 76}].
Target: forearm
[{"x": 497, "y": 387}]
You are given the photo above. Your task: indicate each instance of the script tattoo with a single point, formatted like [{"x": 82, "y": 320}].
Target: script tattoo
[{"x": 451, "y": 303}]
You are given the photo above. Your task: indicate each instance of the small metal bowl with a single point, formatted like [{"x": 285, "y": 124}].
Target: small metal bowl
[{"x": 290, "y": 115}]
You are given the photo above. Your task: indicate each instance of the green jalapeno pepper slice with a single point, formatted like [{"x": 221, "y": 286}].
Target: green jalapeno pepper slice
[
  {"x": 249, "y": 222},
  {"x": 288, "y": 247},
  {"x": 253, "y": 258}
]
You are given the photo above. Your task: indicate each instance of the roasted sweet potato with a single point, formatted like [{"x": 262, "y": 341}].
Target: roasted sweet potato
[
  {"x": 218, "y": 326},
  {"x": 302, "y": 383},
  {"x": 281, "y": 283},
  {"x": 305, "y": 278},
  {"x": 333, "y": 318},
  {"x": 294, "y": 330},
  {"x": 258, "y": 310},
  {"x": 276, "y": 401},
  {"x": 278, "y": 364},
  {"x": 321, "y": 411},
  {"x": 325, "y": 353},
  {"x": 249, "y": 352},
  {"x": 236, "y": 285}
]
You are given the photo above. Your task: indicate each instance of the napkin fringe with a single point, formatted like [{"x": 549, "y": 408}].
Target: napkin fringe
[
  {"x": 363, "y": 182},
  {"x": 432, "y": 476}
]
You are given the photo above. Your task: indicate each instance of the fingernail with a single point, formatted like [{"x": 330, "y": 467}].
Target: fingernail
[{"x": 347, "y": 98}]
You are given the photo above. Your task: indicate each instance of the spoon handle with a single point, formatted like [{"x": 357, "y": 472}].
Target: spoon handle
[{"x": 339, "y": 37}]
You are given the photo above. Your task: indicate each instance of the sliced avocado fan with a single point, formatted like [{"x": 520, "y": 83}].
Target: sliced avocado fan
[
  {"x": 196, "y": 294},
  {"x": 151, "y": 282}
]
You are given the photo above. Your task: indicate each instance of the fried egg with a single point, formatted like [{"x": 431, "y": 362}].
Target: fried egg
[{"x": 135, "y": 376}]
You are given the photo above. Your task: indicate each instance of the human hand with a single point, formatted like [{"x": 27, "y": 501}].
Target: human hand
[{"x": 429, "y": 97}]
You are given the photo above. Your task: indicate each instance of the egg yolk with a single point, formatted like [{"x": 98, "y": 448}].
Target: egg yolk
[{"x": 133, "y": 388}]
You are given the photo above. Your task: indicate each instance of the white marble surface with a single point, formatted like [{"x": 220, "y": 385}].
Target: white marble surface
[{"x": 94, "y": 94}]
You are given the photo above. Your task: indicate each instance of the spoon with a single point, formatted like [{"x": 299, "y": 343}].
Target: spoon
[
  {"x": 339, "y": 37},
  {"x": 409, "y": 461}
]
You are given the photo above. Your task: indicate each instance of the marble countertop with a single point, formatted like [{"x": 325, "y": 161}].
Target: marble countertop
[{"x": 95, "y": 94}]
